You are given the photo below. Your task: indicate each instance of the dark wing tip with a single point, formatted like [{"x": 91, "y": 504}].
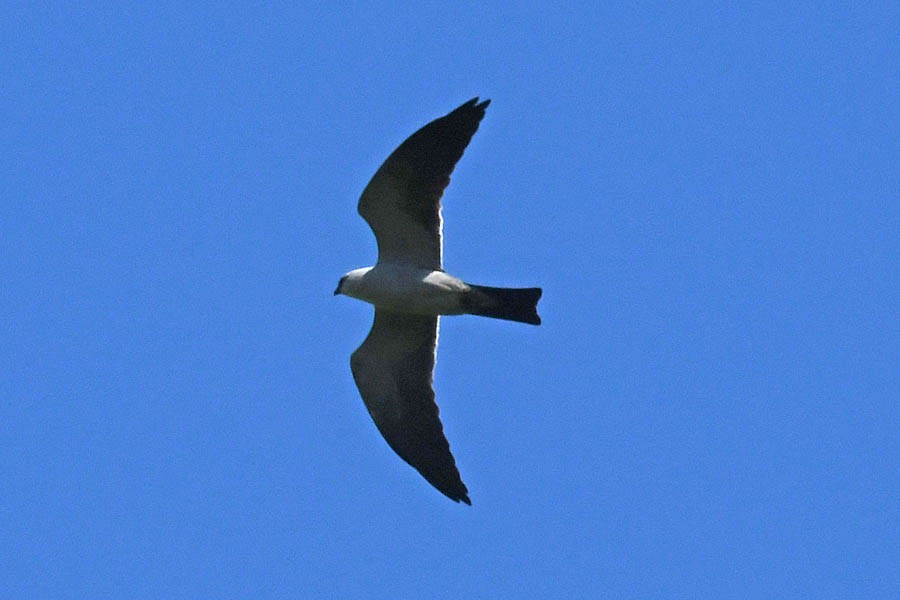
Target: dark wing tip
[
  {"x": 456, "y": 492},
  {"x": 441, "y": 472},
  {"x": 479, "y": 108}
]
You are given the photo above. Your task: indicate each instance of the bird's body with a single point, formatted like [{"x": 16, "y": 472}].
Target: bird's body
[
  {"x": 407, "y": 289},
  {"x": 394, "y": 367}
]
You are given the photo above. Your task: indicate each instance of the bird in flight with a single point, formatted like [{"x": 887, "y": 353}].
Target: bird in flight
[{"x": 394, "y": 367}]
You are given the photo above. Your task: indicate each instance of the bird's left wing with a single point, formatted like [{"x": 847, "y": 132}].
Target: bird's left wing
[
  {"x": 393, "y": 370},
  {"x": 402, "y": 203}
]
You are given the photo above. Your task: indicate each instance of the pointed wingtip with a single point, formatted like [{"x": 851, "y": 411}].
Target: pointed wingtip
[
  {"x": 460, "y": 494},
  {"x": 474, "y": 103},
  {"x": 457, "y": 493},
  {"x": 463, "y": 498}
]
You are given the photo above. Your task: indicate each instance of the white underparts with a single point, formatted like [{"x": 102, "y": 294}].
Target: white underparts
[{"x": 406, "y": 289}]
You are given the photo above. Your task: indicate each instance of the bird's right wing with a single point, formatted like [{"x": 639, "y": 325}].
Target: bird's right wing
[
  {"x": 393, "y": 370},
  {"x": 402, "y": 203}
]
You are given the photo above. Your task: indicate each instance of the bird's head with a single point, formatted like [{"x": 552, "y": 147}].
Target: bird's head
[
  {"x": 340, "y": 286},
  {"x": 351, "y": 284}
]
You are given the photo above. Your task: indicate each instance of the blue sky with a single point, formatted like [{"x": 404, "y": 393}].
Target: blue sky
[{"x": 707, "y": 193}]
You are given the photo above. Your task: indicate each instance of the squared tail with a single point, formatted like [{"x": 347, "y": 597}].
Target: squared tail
[{"x": 511, "y": 304}]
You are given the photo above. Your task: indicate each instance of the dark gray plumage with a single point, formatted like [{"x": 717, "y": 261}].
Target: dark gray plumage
[{"x": 394, "y": 366}]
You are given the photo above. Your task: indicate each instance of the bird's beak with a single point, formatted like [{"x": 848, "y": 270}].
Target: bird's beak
[{"x": 337, "y": 290}]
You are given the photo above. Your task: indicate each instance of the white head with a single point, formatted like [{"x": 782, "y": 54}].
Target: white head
[{"x": 350, "y": 283}]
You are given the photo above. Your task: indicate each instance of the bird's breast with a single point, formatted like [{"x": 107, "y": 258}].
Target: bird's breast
[{"x": 412, "y": 290}]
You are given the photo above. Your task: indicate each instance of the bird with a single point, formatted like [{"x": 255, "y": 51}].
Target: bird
[{"x": 394, "y": 367}]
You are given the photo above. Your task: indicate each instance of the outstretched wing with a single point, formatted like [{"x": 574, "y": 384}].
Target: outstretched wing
[
  {"x": 393, "y": 370},
  {"x": 402, "y": 203}
]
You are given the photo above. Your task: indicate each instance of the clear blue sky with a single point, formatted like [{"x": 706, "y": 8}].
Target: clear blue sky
[{"x": 707, "y": 192}]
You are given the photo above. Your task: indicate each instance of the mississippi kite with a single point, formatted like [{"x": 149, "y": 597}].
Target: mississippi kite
[{"x": 394, "y": 367}]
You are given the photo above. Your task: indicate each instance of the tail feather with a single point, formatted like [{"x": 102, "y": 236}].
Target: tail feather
[{"x": 511, "y": 304}]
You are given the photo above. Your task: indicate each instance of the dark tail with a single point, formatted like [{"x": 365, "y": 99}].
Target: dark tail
[{"x": 512, "y": 304}]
